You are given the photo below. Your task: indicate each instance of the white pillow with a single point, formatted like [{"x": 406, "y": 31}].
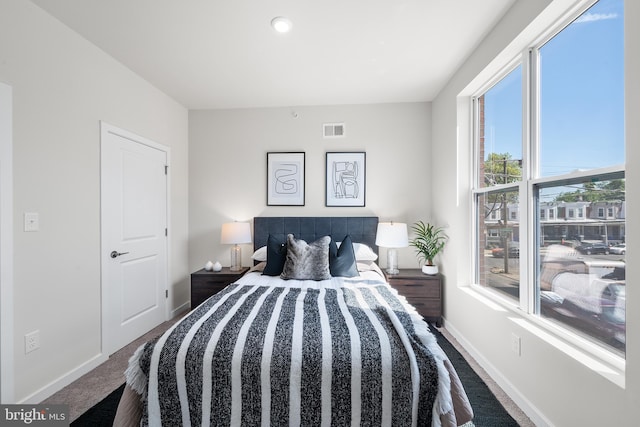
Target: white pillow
[
  {"x": 260, "y": 254},
  {"x": 363, "y": 252}
]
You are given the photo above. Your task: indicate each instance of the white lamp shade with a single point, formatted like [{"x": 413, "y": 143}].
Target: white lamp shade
[
  {"x": 392, "y": 235},
  {"x": 234, "y": 233}
]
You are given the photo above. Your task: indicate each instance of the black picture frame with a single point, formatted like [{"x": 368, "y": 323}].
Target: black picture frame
[
  {"x": 346, "y": 174},
  {"x": 286, "y": 178}
]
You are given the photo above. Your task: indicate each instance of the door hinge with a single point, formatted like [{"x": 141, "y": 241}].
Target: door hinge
[
  {"x": 166, "y": 293},
  {"x": 166, "y": 232},
  {"x": 166, "y": 168}
]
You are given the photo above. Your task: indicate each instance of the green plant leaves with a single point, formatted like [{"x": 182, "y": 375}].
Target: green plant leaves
[{"x": 429, "y": 241}]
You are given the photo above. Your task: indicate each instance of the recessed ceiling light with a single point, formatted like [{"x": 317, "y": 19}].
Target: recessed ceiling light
[{"x": 281, "y": 24}]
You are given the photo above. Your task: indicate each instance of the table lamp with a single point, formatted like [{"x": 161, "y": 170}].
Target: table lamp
[
  {"x": 392, "y": 235},
  {"x": 235, "y": 233}
]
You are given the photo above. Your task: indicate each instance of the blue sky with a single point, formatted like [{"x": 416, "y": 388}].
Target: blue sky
[{"x": 582, "y": 97}]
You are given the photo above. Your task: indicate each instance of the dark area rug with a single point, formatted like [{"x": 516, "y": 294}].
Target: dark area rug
[
  {"x": 103, "y": 413},
  {"x": 488, "y": 412}
]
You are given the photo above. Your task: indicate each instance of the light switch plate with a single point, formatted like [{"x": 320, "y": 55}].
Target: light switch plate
[{"x": 31, "y": 221}]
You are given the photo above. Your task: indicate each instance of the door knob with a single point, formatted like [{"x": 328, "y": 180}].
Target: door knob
[{"x": 116, "y": 254}]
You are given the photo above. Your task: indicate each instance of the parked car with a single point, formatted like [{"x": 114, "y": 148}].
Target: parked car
[
  {"x": 619, "y": 249},
  {"x": 593, "y": 248},
  {"x": 514, "y": 251}
]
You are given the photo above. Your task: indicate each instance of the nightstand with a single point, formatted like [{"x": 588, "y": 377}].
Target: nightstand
[
  {"x": 206, "y": 283},
  {"x": 422, "y": 291}
]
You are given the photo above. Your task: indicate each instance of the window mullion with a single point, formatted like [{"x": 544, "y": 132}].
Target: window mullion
[
  {"x": 529, "y": 165},
  {"x": 532, "y": 122}
]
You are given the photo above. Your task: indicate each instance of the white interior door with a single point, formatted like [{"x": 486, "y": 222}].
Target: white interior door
[{"x": 134, "y": 236}]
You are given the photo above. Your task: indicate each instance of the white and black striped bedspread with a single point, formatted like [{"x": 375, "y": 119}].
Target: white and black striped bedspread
[{"x": 271, "y": 352}]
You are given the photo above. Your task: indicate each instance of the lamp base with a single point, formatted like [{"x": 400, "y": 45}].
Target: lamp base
[
  {"x": 392, "y": 261},
  {"x": 236, "y": 258}
]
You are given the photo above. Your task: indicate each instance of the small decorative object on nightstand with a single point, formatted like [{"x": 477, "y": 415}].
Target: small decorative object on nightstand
[
  {"x": 206, "y": 283},
  {"x": 422, "y": 291},
  {"x": 429, "y": 241}
]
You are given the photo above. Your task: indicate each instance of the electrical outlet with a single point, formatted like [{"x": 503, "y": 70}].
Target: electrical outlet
[
  {"x": 516, "y": 344},
  {"x": 31, "y": 341}
]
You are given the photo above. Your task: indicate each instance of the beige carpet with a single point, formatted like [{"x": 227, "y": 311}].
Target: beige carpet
[
  {"x": 94, "y": 386},
  {"x": 99, "y": 383}
]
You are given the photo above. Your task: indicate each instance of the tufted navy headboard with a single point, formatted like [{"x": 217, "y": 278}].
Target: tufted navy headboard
[{"x": 362, "y": 229}]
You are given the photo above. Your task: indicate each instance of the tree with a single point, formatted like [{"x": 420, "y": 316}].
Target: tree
[
  {"x": 602, "y": 191},
  {"x": 500, "y": 168}
]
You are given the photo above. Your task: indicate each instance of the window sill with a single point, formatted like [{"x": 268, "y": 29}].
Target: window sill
[{"x": 591, "y": 355}]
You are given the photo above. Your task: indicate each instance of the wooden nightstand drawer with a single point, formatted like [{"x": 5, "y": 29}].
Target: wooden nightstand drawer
[
  {"x": 426, "y": 307},
  {"x": 422, "y": 291},
  {"x": 206, "y": 283},
  {"x": 427, "y": 289}
]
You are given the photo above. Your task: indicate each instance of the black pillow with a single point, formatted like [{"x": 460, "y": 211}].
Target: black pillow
[
  {"x": 342, "y": 260},
  {"x": 276, "y": 256}
]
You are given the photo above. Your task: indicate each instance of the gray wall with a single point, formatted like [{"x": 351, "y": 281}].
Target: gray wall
[
  {"x": 557, "y": 384},
  {"x": 62, "y": 88},
  {"x": 228, "y": 158}
]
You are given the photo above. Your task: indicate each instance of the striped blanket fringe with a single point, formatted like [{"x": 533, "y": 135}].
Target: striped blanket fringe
[
  {"x": 443, "y": 403},
  {"x": 135, "y": 378}
]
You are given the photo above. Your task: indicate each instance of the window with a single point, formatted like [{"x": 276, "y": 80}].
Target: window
[{"x": 557, "y": 150}]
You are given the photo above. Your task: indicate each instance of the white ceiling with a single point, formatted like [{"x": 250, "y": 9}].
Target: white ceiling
[{"x": 224, "y": 54}]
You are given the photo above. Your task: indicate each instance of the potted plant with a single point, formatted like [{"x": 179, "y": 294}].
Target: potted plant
[{"x": 429, "y": 241}]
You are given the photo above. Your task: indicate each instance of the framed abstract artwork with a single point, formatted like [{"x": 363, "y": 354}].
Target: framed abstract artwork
[
  {"x": 346, "y": 179},
  {"x": 285, "y": 179}
]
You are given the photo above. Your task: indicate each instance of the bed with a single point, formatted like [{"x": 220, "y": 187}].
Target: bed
[{"x": 311, "y": 335}]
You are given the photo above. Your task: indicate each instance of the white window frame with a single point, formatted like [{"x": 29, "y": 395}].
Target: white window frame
[{"x": 527, "y": 187}]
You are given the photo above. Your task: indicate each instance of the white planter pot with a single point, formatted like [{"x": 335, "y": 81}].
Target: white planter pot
[{"x": 430, "y": 270}]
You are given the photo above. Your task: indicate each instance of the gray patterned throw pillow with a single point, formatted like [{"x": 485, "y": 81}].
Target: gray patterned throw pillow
[{"x": 307, "y": 261}]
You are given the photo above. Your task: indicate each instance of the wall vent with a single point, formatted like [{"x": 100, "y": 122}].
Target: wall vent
[{"x": 333, "y": 130}]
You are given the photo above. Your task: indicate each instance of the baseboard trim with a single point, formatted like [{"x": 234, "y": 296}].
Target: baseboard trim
[
  {"x": 527, "y": 407},
  {"x": 180, "y": 310},
  {"x": 63, "y": 381}
]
